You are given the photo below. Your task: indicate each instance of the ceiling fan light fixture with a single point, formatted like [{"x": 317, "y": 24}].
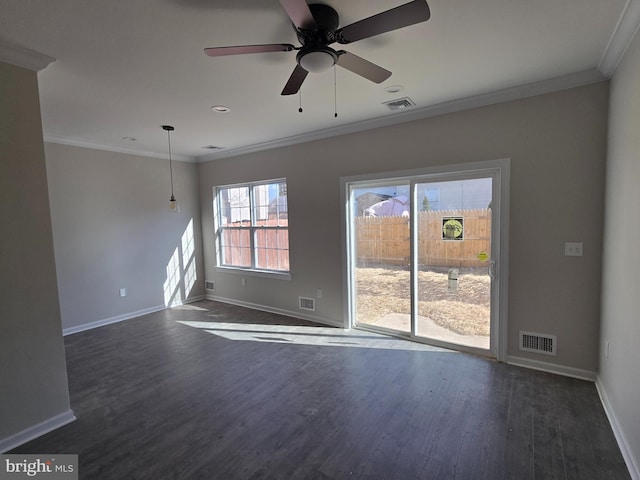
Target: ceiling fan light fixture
[{"x": 317, "y": 59}]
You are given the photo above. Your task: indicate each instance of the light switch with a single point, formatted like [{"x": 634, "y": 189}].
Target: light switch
[{"x": 573, "y": 249}]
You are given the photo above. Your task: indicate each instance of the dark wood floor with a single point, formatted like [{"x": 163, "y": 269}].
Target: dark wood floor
[{"x": 234, "y": 398}]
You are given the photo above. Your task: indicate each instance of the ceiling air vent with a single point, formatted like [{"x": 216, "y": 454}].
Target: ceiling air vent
[
  {"x": 306, "y": 303},
  {"x": 538, "y": 343},
  {"x": 400, "y": 103}
]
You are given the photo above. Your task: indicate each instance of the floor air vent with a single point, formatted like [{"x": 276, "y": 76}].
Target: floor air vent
[
  {"x": 538, "y": 343},
  {"x": 306, "y": 303},
  {"x": 399, "y": 103},
  {"x": 210, "y": 286}
]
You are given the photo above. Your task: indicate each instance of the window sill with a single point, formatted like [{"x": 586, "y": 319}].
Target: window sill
[{"x": 255, "y": 273}]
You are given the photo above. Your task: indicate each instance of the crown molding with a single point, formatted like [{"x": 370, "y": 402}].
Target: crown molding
[
  {"x": 622, "y": 35},
  {"x": 555, "y": 84},
  {"x": 109, "y": 148},
  {"x": 23, "y": 57}
]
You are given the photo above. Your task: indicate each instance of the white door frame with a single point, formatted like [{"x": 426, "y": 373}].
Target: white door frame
[{"x": 500, "y": 171}]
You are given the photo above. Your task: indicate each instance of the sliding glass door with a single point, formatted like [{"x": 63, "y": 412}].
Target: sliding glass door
[
  {"x": 453, "y": 261},
  {"x": 422, "y": 257},
  {"x": 381, "y": 253}
]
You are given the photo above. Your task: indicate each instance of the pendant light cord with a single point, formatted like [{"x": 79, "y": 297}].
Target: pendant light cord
[
  {"x": 172, "y": 201},
  {"x": 170, "y": 166}
]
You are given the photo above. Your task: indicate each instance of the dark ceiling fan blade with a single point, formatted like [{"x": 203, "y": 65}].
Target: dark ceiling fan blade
[
  {"x": 299, "y": 13},
  {"x": 363, "y": 67},
  {"x": 242, "y": 49},
  {"x": 295, "y": 81},
  {"x": 399, "y": 17}
]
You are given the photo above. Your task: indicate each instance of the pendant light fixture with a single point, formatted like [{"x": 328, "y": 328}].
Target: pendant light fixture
[{"x": 173, "y": 203}]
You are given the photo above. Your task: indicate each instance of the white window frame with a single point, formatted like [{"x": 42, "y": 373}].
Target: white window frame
[
  {"x": 499, "y": 238},
  {"x": 253, "y": 228}
]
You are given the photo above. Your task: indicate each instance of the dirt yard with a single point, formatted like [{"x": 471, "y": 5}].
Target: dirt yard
[{"x": 385, "y": 289}]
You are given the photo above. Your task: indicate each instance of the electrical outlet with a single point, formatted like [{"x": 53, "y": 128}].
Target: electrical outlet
[
  {"x": 123, "y": 292},
  {"x": 319, "y": 293},
  {"x": 606, "y": 349},
  {"x": 243, "y": 282}
]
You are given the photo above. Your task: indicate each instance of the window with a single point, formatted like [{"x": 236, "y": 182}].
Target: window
[{"x": 253, "y": 226}]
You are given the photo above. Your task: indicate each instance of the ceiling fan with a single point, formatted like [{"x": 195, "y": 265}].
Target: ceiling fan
[{"x": 316, "y": 26}]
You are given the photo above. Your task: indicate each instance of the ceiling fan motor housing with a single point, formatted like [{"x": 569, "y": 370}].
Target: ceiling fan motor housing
[
  {"x": 327, "y": 22},
  {"x": 315, "y": 54}
]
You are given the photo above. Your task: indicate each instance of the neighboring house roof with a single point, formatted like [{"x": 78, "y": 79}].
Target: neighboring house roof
[
  {"x": 367, "y": 199},
  {"x": 393, "y": 207}
]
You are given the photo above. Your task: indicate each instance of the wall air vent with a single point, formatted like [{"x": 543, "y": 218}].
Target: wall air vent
[
  {"x": 306, "y": 303},
  {"x": 400, "y": 103},
  {"x": 211, "y": 286},
  {"x": 538, "y": 343}
]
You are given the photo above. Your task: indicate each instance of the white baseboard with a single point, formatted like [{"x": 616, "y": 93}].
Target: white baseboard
[
  {"x": 108, "y": 321},
  {"x": 279, "y": 311},
  {"x": 552, "y": 368},
  {"x": 123, "y": 317},
  {"x": 197, "y": 298},
  {"x": 633, "y": 464},
  {"x": 36, "y": 431}
]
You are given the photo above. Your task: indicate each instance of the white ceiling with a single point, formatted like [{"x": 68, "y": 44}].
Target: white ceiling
[{"x": 123, "y": 68}]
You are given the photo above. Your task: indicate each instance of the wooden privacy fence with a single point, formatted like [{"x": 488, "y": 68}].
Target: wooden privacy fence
[
  {"x": 270, "y": 244},
  {"x": 386, "y": 239}
]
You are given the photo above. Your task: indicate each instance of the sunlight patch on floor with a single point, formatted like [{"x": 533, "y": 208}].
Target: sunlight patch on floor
[
  {"x": 187, "y": 306},
  {"x": 303, "y": 335}
]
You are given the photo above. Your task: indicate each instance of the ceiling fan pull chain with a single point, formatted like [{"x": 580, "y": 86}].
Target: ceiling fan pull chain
[
  {"x": 300, "y": 97},
  {"x": 335, "y": 93}
]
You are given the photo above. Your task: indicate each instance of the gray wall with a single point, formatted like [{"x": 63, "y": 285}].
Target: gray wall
[
  {"x": 112, "y": 229},
  {"x": 33, "y": 376},
  {"x": 618, "y": 378},
  {"x": 557, "y": 144}
]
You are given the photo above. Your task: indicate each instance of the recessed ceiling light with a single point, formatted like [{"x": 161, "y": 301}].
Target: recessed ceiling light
[
  {"x": 129, "y": 139},
  {"x": 220, "y": 109},
  {"x": 394, "y": 88}
]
